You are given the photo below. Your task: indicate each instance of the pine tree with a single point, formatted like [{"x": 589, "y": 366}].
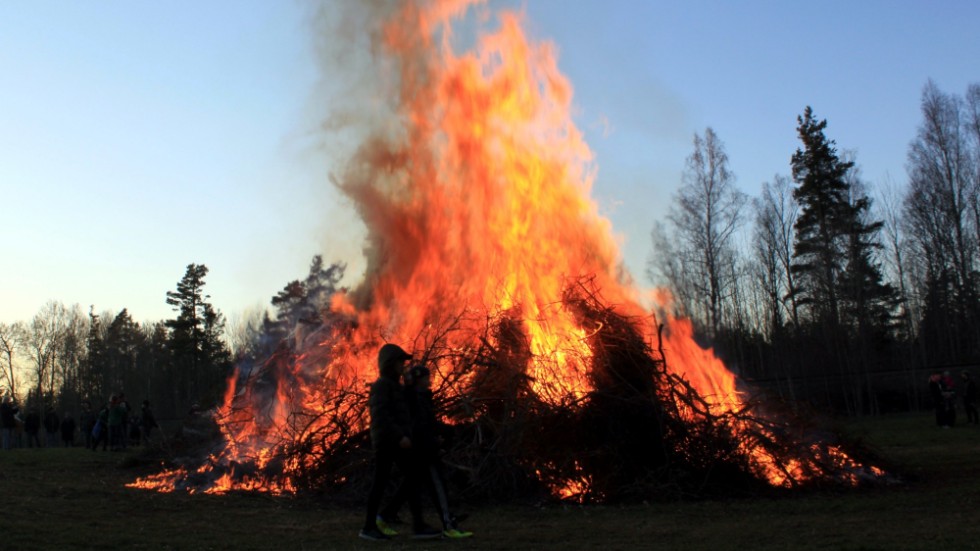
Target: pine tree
[
  {"x": 91, "y": 378},
  {"x": 836, "y": 242},
  {"x": 122, "y": 344},
  {"x": 825, "y": 218},
  {"x": 834, "y": 257},
  {"x": 303, "y": 301},
  {"x": 300, "y": 305},
  {"x": 201, "y": 359}
]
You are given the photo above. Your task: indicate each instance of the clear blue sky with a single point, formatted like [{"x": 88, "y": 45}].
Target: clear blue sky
[{"x": 139, "y": 137}]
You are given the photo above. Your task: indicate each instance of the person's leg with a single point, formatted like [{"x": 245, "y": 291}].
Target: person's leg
[
  {"x": 383, "y": 460},
  {"x": 439, "y": 496},
  {"x": 390, "y": 511},
  {"x": 410, "y": 466}
]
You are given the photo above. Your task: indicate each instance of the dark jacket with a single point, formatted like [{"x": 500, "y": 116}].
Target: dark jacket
[
  {"x": 32, "y": 424},
  {"x": 147, "y": 420},
  {"x": 425, "y": 428},
  {"x": 67, "y": 428},
  {"x": 51, "y": 422},
  {"x": 969, "y": 391},
  {"x": 87, "y": 420},
  {"x": 8, "y": 415},
  {"x": 390, "y": 421}
]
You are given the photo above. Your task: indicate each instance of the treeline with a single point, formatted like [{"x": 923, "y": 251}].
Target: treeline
[
  {"x": 62, "y": 357},
  {"x": 821, "y": 291},
  {"x": 815, "y": 290}
]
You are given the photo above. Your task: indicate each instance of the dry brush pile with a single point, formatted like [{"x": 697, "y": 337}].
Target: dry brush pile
[{"x": 643, "y": 432}]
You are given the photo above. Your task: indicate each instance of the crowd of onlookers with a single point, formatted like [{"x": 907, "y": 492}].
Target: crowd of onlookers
[
  {"x": 114, "y": 425},
  {"x": 943, "y": 391}
]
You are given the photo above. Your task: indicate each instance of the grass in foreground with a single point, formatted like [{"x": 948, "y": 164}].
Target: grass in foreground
[{"x": 76, "y": 499}]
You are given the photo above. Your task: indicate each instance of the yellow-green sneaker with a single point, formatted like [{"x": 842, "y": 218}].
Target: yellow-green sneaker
[
  {"x": 453, "y": 533},
  {"x": 385, "y": 529}
]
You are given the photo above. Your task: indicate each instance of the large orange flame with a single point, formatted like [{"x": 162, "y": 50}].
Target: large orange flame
[{"x": 477, "y": 202}]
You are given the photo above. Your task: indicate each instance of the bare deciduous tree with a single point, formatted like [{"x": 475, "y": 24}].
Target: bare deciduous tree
[
  {"x": 703, "y": 220},
  {"x": 942, "y": 218},
  {"x": 775, "y": 216},
  {"x": 896, "y": 252},
  {"x": 39, "y": 338},
  {"x": 8, "y": 342}
]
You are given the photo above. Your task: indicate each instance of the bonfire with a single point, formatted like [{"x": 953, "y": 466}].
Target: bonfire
[{"x": 488, "y": 260}]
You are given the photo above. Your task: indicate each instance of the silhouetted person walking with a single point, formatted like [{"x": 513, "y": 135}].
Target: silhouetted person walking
[
  {"x": 391, "y": 430},
  {"x": 426, "y": 445}
]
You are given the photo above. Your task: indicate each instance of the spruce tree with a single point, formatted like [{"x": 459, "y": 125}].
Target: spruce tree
[
  {"x": 91, "y": 378},
  {"x": 825, "y": 219},
  {"x": 201, "y": 359},
  {"x": 834, "y": 259},
  {"x": 304, "y": 301}
]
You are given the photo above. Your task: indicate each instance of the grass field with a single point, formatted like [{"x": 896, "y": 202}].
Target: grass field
[{"x": 76, "y": 499}]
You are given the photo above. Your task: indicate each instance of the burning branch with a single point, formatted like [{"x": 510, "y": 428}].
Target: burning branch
[{"x": 642, "y": 430}]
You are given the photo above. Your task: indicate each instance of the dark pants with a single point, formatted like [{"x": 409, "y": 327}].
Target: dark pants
[
  {"x": 101, "y": 438},
  {"x": 384, "y": 459},
  {"x": 972, "y": 416},
  {"x": 117, "y": 437},
  {"x": 429, "y": 471}
]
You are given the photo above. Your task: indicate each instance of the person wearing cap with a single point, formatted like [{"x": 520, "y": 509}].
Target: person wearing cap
[
  {"x": 391, "y": 430},
  {"x": 426, "y": 452}
]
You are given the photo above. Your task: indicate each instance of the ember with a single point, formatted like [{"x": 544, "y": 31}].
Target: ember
[{"x": 488, "y": 259}]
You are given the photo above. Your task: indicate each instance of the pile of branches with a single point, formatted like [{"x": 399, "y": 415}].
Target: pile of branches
[{"x": 642, "y": 432}]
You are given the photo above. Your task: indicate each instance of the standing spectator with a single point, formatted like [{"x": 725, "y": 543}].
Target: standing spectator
[
  {"x": 68, "y": 430},
  {"x": 100, "y": 431},
  {"x": 52, "y": 424},
  {"x": 87, "y": 422},
  {"x": 117, "y": 430},
  {"x": 970, "y": 399},
  {"x": 32, "y": 426},
  {"x": 124, "y": 411},
  {"x": 8, "y": 420},
  {"x": 19, "y": 431},
  {"x": 949, "y": 396},
  {"x": 147, "y": 422},
  {"x": 936, "y": 395}
]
